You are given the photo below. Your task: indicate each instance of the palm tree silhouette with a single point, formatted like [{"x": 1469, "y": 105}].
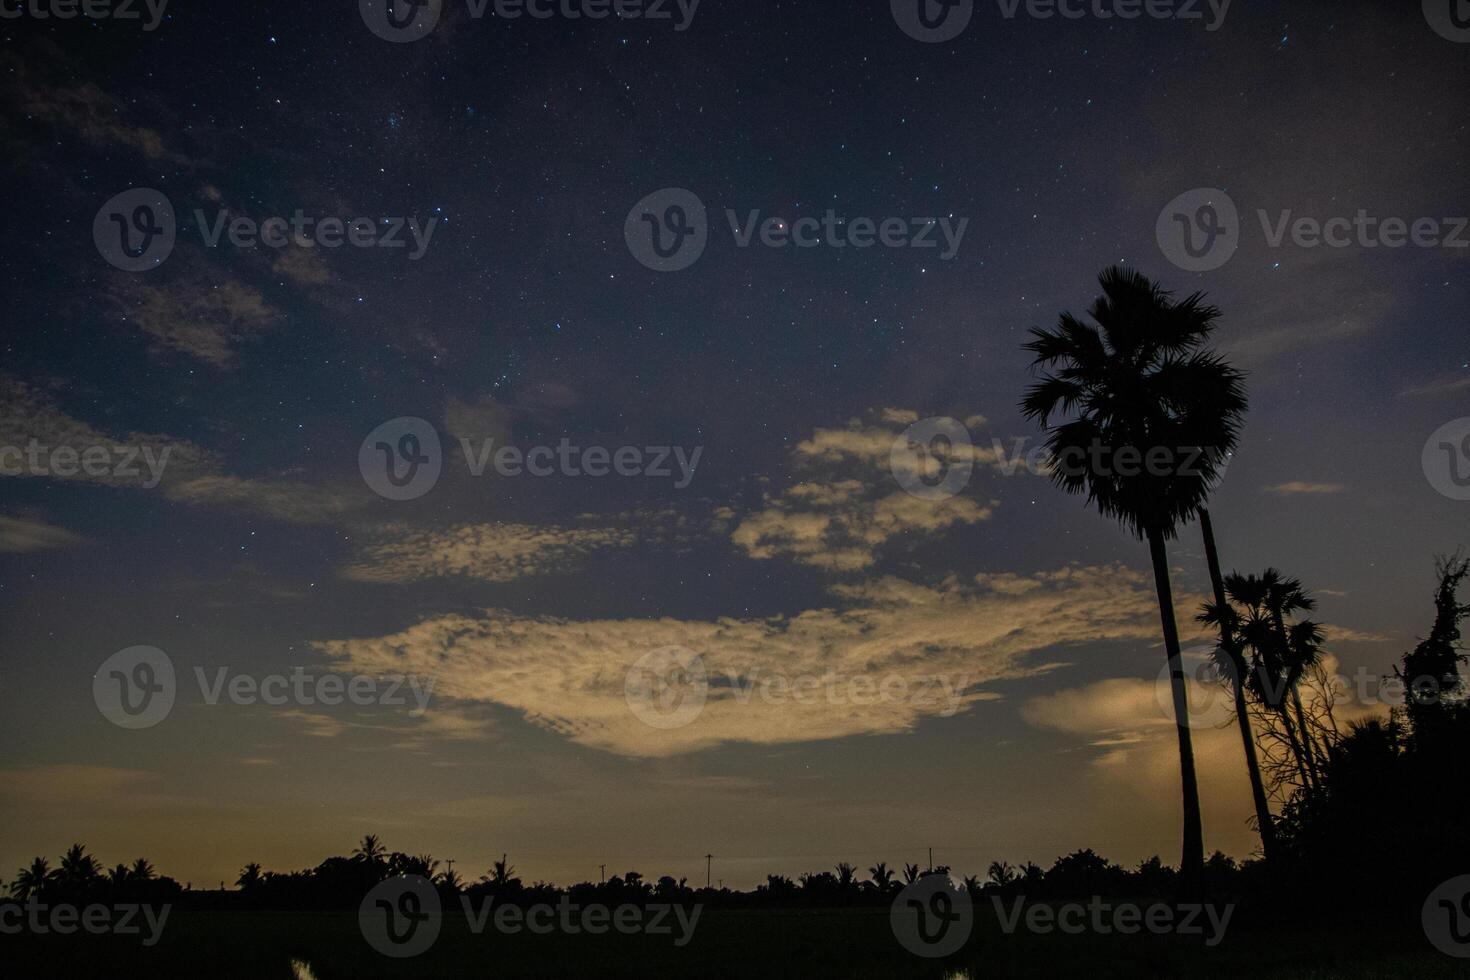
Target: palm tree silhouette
[
  {"x": 370, "y": 850},
  {"x": 249, "y": 876},
  {"x": 1230, "y": 663},
  {"x": 1301, "y": 646},
  {"x": 142, "y": 870},
  {"x": 882, "y": 876},
  {"x": 78, "y": 868},
  {"x": 1280, "y": 655},
  {"x": 1133, "y": 384},
  {"x": 32, "y": 879}
]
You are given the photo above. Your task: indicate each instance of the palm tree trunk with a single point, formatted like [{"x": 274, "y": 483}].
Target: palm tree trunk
[
  {"x": 1192, "y": 862},
  {"x": 1264, "y": 822}
]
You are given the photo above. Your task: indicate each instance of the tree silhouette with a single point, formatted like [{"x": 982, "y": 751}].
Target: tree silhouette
[
  {"x": 249, "y": 876},
  {"x": 1001, "y": 874},
  {"x": 1281, "y": 655},
  {"x": 370, "y": 850},
  {"x": 1431, "y": 671},
  {"x": 32, "y": 879},
  {"x": 1231, "y": 665},
  {"x": 1154, "y": 415},
  {"x": 78, "y": 868}
]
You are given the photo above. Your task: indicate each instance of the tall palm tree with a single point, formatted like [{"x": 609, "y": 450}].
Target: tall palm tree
[
  {"x": 882, "y": 876},
  {"x": 1234, "y": 668},
  {"x": 142, "y": 870},
  {"x": 1131, "y": 385},
  {"x": 32, "y": 879}
]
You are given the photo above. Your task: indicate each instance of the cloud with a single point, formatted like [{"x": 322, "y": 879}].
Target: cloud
[
  {"x": 185, "y": 471},
  {"x": 489, "y": 552},
  {"x": 851, "y": 501},
  {"x": 938, "y": 645},
  {"x": 71, "y": 784},
  {"x": 85, "y": 110},
  {"x": 206, "y": 320},
  {"x": 1440, "y": 386},
  {"x": 19, "y": 535},
  {"x": 1303, "y": 487}
]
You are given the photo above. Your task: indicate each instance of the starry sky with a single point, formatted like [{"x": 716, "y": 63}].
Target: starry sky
[{"x": 792, "y": 550}]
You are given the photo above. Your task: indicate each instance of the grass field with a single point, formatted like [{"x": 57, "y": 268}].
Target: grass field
[{"x": 846, "y": 943}]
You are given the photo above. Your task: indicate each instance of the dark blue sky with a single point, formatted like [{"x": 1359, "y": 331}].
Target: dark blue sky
[{"x": 528, "y": 320}]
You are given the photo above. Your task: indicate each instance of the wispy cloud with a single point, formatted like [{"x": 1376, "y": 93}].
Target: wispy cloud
[
  {"x": 489, "y": 552},
  {"x": 1304, "y": 487},
  {"x": 850, "y": 501},
  {"x": 943, "y": 645},
  {"x": 19, "y": 535}
]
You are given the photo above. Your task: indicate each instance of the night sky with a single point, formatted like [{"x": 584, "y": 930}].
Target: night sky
[{"x": 792, "y": 548}]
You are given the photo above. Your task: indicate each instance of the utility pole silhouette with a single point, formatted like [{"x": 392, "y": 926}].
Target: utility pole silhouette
[
  {"x": 602, "y": 874},
  {"x": 707, "y": 859},
  {"x": 450, "y": 863},
  {"x": 931, "y": 859}
]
